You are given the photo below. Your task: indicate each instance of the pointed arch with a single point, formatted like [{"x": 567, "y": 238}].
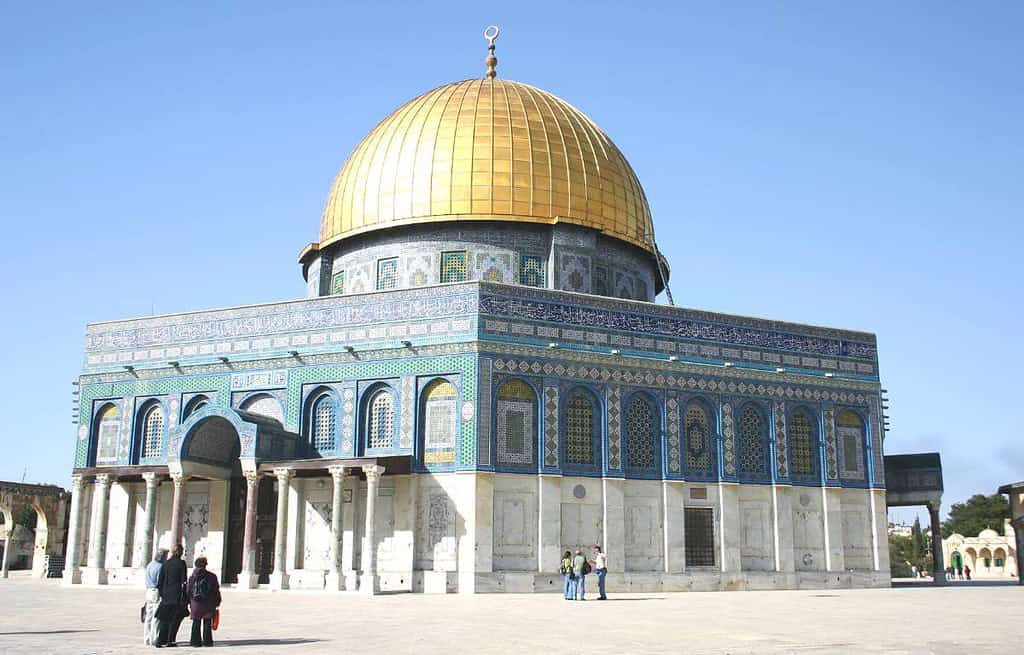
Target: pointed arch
[
  {"x": 322, "y": 421},
  {"x": 379, "y": 419},
  {"x": 850, "y": 427},
  {"x": 439, "y": 415},
  {"x": 151, "y": 421},
  {"x": 753, "y": 442},
  {"x": 195, "y": 403},
  {"x": 700, "y": 443},
  {"x": 516, "y": 424},
  {"x": 106, "y": 431},
  {"x": 642, "y": 422}
]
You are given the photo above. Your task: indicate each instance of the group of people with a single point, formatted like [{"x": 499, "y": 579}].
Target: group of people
[
  {"x": 959, "y": 572},
  {"x": 576, "y": 568},
  {"x": 172, "y": 594}
]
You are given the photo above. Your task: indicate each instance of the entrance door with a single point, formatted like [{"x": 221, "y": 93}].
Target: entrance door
[{"x": 235, "y": 538}]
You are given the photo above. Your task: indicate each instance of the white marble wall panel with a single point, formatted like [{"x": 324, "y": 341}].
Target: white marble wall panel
[
  {"x": 755, "y": 527},
  {"x": 856, "y": 525},
  {"x": 644, "y": 533},
  {"x": 515, "y": 523}
]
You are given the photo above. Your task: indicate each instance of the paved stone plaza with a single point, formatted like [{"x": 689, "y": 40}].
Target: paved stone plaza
[{"x": 40, "y": 617}]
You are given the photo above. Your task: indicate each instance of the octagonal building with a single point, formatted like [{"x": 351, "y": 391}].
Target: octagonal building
[{"x": 478, "y": 380}]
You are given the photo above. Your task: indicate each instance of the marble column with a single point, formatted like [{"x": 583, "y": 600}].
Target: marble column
[
  {"x": 177, "y": 509},
  {"x": 335, "y": 577},
  {"x": 369, "y": 583},
  {"x": 149, "y": 521},
  {"x": 249, "y": 579},
  {"x": 8, "y": 535},
  {"x": 279, "y": 578},
  {"x": 96, "y": 571},
  {"x": 939, "y": 574},
  {"x": 72, "y": 573}
]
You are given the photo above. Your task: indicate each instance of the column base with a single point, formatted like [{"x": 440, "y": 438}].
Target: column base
[
  {"x": 369, "y": 583},
  {"x": 248, "y": 580},
  {"x": 435, "y": 582},
  {"x": 278, "y": 580},
  {"x": 71, "y": 576},
  {"x": 94, "y": 576},
  {"x": 335, "y": 581},
  {"x": 351, "y": 580}
]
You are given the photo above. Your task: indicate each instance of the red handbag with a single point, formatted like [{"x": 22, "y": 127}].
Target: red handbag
[{"x": 216, "y": 619}]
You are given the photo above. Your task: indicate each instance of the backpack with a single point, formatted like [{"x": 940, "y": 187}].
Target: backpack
[
  {"x": 201, "y": 588},
  {"x": 586, "y": 567}
]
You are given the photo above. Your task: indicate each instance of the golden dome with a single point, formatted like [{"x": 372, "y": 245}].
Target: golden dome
[{"x": 487, "y": 149}]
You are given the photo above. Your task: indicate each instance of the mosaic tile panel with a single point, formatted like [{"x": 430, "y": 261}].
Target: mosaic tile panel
[
  {"x": 348, "y": 424},
  {"x": 850, "y": 438},
  {"x": 728, "y": 440},
  {"x": 612, "y": 396},
  {"x": 672, "y": 407},
  {"x": 832, "y": 466},
  {"x": 877, "y": 454},
  {"x": 483, "y": 429},
  {"x": 494, "y": 267},
  {"x": 453, "y": 266},
  {"x": 573, "y": 271},
  {"x": 781, "y": 440},
  {"x": 550, "y": 425},
  {"x": 406, "y": 429}
]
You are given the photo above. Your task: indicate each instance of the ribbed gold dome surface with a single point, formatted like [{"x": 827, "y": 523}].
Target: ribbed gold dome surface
[{"x": 487, "y": 149}]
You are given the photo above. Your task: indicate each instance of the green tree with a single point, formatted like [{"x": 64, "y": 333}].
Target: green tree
[
  {"x": 899, "y": 556},
  {"x": 976, "y": 514},
  {"x": 26, "y": 517},
  {"x": 918, "y": 545}
]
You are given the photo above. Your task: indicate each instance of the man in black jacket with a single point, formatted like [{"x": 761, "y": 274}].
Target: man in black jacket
[{"x": 173, "y": 602}]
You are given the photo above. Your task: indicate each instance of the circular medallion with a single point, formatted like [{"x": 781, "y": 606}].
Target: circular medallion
[
  {"x": 579, "y": 491},
  {"x": 467, "y": 411}
]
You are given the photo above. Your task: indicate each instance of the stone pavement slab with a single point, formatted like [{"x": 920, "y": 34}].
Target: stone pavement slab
[{"x": 41, "y": 617}]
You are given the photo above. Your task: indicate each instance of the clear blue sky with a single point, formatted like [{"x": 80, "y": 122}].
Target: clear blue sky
[{"x": 857, "y": 165}]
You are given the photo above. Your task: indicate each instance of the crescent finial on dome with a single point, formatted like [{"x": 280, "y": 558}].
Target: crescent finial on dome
[{"x": 491, "y": 33}]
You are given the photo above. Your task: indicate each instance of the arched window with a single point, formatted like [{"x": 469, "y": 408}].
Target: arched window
[
  {"x": 802, "y": 444},
  {"x": 439, "y": 415},
  {"x": 516, "y": 418},
  {"x": 643, "y": 427},
  {"x": 851, "y": 445},
  {"x": 753, "y": 451},
  {"x": 108, "y": 434},
  {"x": 323, "y": 420},
  {"x": 264, "y": 405},
  {"x": 152, "y": 431},
  {"x": 380, "y": 420},
  {"x": 194, "y": 405},
  {"x": 580, "y": 429},
  {"x": 700, "y": 453}
]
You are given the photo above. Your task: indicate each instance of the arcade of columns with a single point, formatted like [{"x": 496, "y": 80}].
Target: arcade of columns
[{"x": 94, "y": 571}]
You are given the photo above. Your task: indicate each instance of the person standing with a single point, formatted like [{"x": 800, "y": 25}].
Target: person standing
[
  {"x": 967, "y": 571},
  {"x": 150, "y": 625},
  {"x": 204, "y": 599},
  {"x": 579, "y": 571},
  {"x": 569, "y": 582},
  {"x": 172, "y": 610},
  {"x": 601, "y": 569}
]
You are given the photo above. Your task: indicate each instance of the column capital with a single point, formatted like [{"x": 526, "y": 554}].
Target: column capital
[
  {"x": 104, "y": 479},
  {"x": 177, "y": 478},
  {"x": 373, "y": 471},
  {"x": 283, "y": 473},
  {"x": 151, "y": 478},
  {"x": 77, "y": 480},
  {"x": 337, "y": 470},
  {"x": 251, "y": 476}
]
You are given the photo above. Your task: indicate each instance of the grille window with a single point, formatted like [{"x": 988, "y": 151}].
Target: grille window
[
  {"x": 801, "y": 444},
  {"x": 453, "y": 267},
  {"x": 324, "y": 416},
  {"x": 752, "y": 446},
  {"x": 641, "y": 431},
  {"x": 338, "y": 283},
  {"x": 152, "y": 432},
  {"x": 381, "y": 433},
  {"x": 531, "y": 271},
  {"x": 387, "y": 274},
  {"x": 699, "y": 527},
  {"x": 579, "y": 430}
]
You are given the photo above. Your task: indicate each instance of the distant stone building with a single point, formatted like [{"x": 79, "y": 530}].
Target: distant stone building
[
  {"x": 478, "y": 380},
  {"x": 990, "y": 554}
]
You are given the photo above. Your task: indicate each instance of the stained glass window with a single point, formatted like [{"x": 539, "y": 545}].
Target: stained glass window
[
  {"x": 698, "y": 440},
  {"x": 579, "y": 429},
  {"x": 387, "y": 274},
  {"x": 108, "y": 432},
  {"x": 642, "y": 429},
  {"x": 324, "y": 420},
  {"x": 381, "y": 421},
  {"x": 152, "y": 431},
  {"x": 801, "y": 444},
  {"x": 453, "y": 266},
  {"x": 531, "y": 271},
  {"x": 699, "y": 528},
  {"x": 752, "y": 442},
  {"x": 338, "y": 283},
  {"x": 517, "y": 409},
  {"x": 439, "y": 405}
]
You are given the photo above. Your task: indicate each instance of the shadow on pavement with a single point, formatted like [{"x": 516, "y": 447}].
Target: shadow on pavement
[
  {"x": 265, "y": 642},
  {"x": 927, "y": 584},
  {"x": 45, "y": 632}
]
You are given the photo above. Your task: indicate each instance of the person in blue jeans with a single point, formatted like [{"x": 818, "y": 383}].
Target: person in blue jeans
[
  {"x": 579, "y": 562},
  {"x": 601, "y": 569},
  {"x": 569, "y": 586}
]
